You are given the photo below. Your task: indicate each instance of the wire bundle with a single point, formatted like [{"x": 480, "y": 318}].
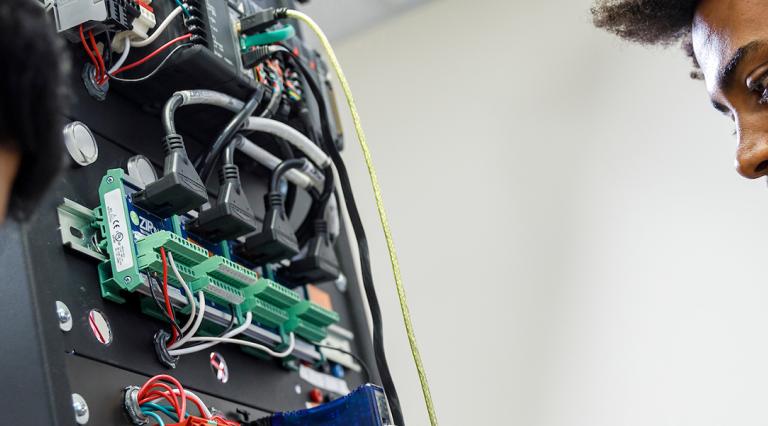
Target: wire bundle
[
  {"x": 102, "y": 75},
  {"x": 186, "y": 334},
  {"x": 165, "y": 388}
]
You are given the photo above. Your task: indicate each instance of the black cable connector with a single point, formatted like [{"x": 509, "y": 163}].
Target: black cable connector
[
  {"x": 320, "y": 263},
  {"x": 179, "y": 190},
  {"x": 259, "y": 21},
  {"x": 277, "y": 239},
  {"x": 231, "y": 217},
  {"x": 255, "y": 55}
]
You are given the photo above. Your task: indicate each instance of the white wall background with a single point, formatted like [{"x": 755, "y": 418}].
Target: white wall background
[{"x": 576, "y": 245}]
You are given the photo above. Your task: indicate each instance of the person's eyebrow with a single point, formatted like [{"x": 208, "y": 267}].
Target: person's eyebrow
[{"x": 726, "y": 74}]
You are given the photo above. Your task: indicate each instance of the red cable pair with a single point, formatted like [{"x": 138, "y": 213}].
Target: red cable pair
[
  {"x": 168, "y": 307},
  {"x": 97, "y": 59}
]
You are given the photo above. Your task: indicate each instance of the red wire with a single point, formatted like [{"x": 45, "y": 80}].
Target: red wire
[
  {"x": 152, "y": 55},
  {"x": 151, "y": 396},
  {"x": 168, "y": 308},
  {"x": 155, "y": 381},
  {"x": 88, "y": 51},
  {"x": 102, "y": 67}
]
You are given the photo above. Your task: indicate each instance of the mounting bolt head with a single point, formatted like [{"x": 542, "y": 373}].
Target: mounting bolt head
[
  {"x": 64, "y": 316},
  {"x": 127, "y": 279},
  {"x": 341, "y": 283},
  {"x": 110, "y": 179},
  {"x": 81, "y": 409}
]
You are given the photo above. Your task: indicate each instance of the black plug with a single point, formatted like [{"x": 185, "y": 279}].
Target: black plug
[
  {"x": 319, "y": 264},
  {"x": 232, "y": 215},
  {"x": 258, "y": 22},
  {"x": 179, "y": 190},
  {"x": 277, "y": 239},
  {"x": 255, "y": 56}
]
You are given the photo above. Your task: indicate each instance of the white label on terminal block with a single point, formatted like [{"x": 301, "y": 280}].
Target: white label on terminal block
[
  {"x": 118, "y": 229},
  {"x": 324, "y": 381}
]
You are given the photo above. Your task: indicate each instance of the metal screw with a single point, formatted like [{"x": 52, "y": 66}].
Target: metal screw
[
  {"x": 81, "y": 409},
  {"x": 127, "y": 279},
  {"x": 64, "y": 316},
  {"x": 110, "y": 179}
]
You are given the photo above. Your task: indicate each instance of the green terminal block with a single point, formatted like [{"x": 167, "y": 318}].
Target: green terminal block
[
  {"x": 266, "y": 314},
  {"x": 218, "y": 291},
  {"x": 310, "y": 321},
  {"x": 227, "y": 271},
  {"x": 223, "y": 281},
  {"x": 183, "y": 250},
  {"x": 274, "y": 293},
  {"x": 152, "y": 262}
]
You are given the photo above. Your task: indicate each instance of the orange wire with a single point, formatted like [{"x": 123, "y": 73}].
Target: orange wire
[
  {"x": 88, "y": 50},
  {"x": 102, "y": 69}
]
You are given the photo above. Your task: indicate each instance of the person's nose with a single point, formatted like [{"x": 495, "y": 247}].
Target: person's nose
[{"x": 752, "y": 153}]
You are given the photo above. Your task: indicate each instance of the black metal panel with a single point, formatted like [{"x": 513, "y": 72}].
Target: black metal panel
[{"x": 40, "y": 366}]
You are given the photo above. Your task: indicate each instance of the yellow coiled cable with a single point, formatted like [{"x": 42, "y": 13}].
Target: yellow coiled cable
[{"x": 293, "y": 14}]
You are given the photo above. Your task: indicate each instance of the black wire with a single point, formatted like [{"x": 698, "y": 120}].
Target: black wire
[
  {"x": 108, "y": 51},
  {"x": 231, "y": 325},
  {"x": 156, "y": 70},
  {"x": 286, "y": 153},
  {"x": 362, "y": 363},
  {"x": 206, "y": 161},
  {"x": 160, "y": 306},
  {"x": 281, "y": 170},
  {"x": 362, "y": 242}
]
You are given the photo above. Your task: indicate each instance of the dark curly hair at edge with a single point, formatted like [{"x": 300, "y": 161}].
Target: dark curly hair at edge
[
  {"x": 32, "y": 99},
  {"x": 660, "y": 22}
]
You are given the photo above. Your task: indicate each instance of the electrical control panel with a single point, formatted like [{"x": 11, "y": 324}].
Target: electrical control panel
[{"x": 179, "y": 242}]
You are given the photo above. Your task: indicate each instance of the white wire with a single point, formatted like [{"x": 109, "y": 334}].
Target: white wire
[
  {"x": 190, "y": 295},
  {"x": 160, "y": 29},
  {"x": 291, "y": 135},
  {"x": 123, "y": 57},
  {"x": 265, "y": 158},
  {"x": 234, "y": 332},
  {"x": 266, "y": 125},
  {"x": 282, "y": 354},
  {"x": 196, "y": 326}
]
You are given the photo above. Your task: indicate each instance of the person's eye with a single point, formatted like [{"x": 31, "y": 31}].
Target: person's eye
[{"x": 760, "y": 86}]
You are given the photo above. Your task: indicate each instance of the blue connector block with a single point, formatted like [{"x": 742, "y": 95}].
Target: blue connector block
[{"x": 366, "y": 406}]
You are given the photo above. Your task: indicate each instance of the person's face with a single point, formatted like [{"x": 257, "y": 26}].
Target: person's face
[
  {"x": 9, "y": 166},
  {"x": 730, "y": 41}
]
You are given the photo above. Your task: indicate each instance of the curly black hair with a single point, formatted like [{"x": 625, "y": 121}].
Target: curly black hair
[
  {"x": 31, "y": 98},
  {"x": 659, "y": 22}
]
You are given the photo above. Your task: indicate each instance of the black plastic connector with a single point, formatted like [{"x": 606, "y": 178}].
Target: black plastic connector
[
  {"x": 232, "y": 215},
  {"x": 179, "y": 190},
  {"x": 258, "y": 22},
  {"x": 277, "y": 239},
  {"x": 122, "y": 13},
  {"x": 255, "y": 56},
  {"x": 320, "y": 263}
]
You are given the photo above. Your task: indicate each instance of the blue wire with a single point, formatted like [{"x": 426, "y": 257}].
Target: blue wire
[
  {"x": 168, "y": 411},
  {"x": 157, "y": 418},
  {"x": 184, "y": 8}
]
